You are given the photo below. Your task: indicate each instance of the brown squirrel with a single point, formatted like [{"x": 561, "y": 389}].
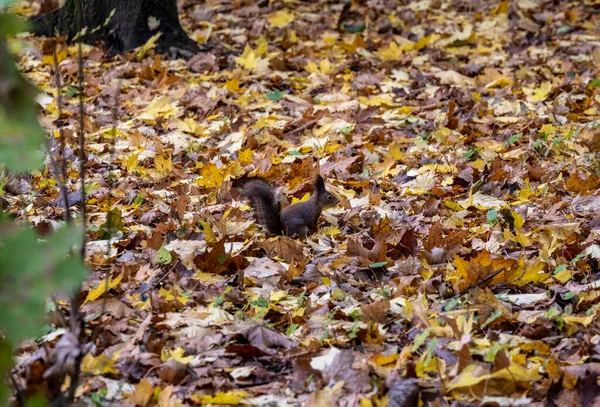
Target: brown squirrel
[{"x": 297, "y": 219}]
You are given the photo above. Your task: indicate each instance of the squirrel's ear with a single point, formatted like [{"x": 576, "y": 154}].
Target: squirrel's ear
[{"x": 319, "y": 183}]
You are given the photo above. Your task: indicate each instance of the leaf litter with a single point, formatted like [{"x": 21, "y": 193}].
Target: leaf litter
[{"x": 460, "y": 267}]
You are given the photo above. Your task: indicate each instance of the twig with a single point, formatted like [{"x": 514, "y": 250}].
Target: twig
[
  {"x": 82, "y": 158},
  {"x": 60, "y": 165},
  {"x": 19, "y": 394},
  {"x": 108, "y": 196},
  {"x": 77, "y": 327},
  {"x": 79, "y": 333},
  {"x": 480, "y": 282}
]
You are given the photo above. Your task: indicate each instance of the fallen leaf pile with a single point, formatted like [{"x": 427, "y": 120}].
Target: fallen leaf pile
[{"x": 461, "y": 265}]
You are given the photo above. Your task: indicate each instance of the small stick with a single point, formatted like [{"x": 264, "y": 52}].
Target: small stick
[{"x": 480, "y": 282}]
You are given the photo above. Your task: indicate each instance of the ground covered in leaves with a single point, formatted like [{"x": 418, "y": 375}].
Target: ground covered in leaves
[{"x": 461, "y": 265}]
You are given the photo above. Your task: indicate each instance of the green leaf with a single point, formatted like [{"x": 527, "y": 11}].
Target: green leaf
[
  {"x": 71, "y": 91},
  {"x": 564, "y": 29},
  {"x": 30, "y": 272},
  {"x": 568, "y": 296},
  {"x": 6, "y": 3},
  {"x": 420, "y": 340},
  {"x": 275, "y": 96},
  {"x": 594, "y": 83},
  {"x": 218, "y": 301},
  {"x": 492, "y": 217},
  {"x": 491, "y": 318},
  {"x": 11, "y": 24},
  {"x": 112, "y": 225},
  {"x": 560, "y": 268},
  {"x": 261, "y": 302},
  {"x": 578, "y": 257},
  {"x": 21, "y": 137},
  {"x": 354, "y": 28},
  {"x": 379, "y": 264},
  {"x": 512, "y": 139},
  {"x": 163, "y": 256}
]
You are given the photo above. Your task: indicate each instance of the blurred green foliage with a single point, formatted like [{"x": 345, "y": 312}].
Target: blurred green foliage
[{"x": 31, "y": 270}]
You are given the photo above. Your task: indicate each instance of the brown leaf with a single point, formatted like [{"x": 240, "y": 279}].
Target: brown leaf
[
  {"x": 265, "y": 338},
  {"x": 376, "y": 311},
  {"x": 403, "y": 392},
  {"x": 172, "y": 371},
  {"x": 583, "y": 183},
  {"x": 283, "y": 247},
  {"x": 213, "y": 260},
  {"x": 142, "y": 394},
  {"x": 376, "y": 254},
  {"x": 341, "y": 369}
]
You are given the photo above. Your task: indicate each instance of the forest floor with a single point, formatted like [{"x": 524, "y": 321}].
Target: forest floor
[{"x": 460, "y": 267}]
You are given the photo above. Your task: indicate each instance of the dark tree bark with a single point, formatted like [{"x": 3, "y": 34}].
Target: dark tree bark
[{"x": 121, "y": 25}]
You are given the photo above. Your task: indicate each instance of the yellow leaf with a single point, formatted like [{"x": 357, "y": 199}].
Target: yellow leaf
[
  {"x": 104, "y": 286},
  {"x": 564, "y": 276},
  {"x": 163, "y": 165},
  {"x": 292, "y": 37},
  {"x": 97, "y": 365},
  {"x": 395, "y": 152},
  {"x": 61, "y": 55},
  {"x": 149, "y": 45},
  {"x": 525, "y": 273},
  {"x": 548, "y": 129},
  {"x": 502, "y": 8},
  {"x": 381, "y": 360},
  {"x": 207, "y": 278},
  {"x": 304, "y": 198},
  {"x": 325, "y": 67},
  {"x": 394, "y": 51},
  {"x": 441, "y": 134},
  {"x": 221, "y": 398},
  {"x": 478, "y": 164},
  {"x": 248, "y": 60},
  {"x": 332, "y": 231},
  {"x": 280, "y": 18},
  {"x": 166, "y": 294},
  {"x": 142, "y": 394},
  {"x": 542, "y": 92},
  {"x": 161, "y": 107},
  {"x": 519, "y": 221},
  {"x": 166, "y": 398},
  {"x": 585, "y": 321},
  {"x": 449, "y": 180},
  {"x": 376, "y": 100},
  {"x": 173, "y": 294},
  {"x": 209, "y": 235},
  {"x": 177, "y": 355},
  {"x": 233, "y": 85},
  {"x": 246, "y": 156},
  {"x": 512, "y": 373},
  {"x": 131, "y": 162},
  {"x": 453, "y": 205},
  {"x": 210, "y": 176},
  {"x": 189, "y": 125},
  {"x": 262, "y": 46}
]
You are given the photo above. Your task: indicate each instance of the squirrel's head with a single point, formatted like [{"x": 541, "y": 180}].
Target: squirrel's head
[{"x": 326, "y": 198}]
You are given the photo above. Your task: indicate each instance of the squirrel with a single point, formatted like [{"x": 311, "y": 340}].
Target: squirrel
[{"x": 297, "y": 219}]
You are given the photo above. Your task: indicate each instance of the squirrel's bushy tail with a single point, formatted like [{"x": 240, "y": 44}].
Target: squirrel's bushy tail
[{"x": 265, "y": 203}]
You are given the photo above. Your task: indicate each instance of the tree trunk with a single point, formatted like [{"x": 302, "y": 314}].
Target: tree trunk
[{"x": 121, "y": 25}]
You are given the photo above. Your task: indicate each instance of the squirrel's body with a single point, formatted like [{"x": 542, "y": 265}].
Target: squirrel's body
[{"x": 298, "y": 219}]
